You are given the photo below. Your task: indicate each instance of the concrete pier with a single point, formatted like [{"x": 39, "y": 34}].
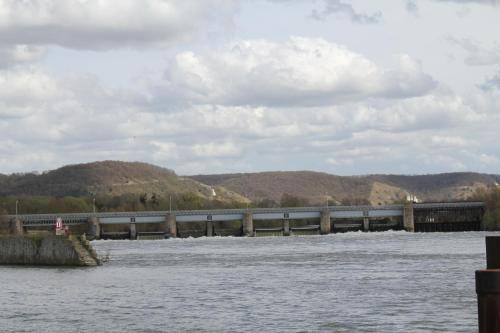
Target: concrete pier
[
  {"x": 248, "y": 224},
  {"x": 488, "y": 288},
  {"x": 16, "y": 227},
  {"x": 93, "y": 228},
  {"x": 408, "y": 220},
  {"x": 46, "y": 249},
  {"x": 171, "y": 224},
  {"x": 210, "y": 228},
  {"x": 286, "y": 227},
  {"x": 133, "y": 231},
  {"x": 366, "y": 221},
  {"x": 325, "y": 225},
  {"x": 366, "y": 224}
]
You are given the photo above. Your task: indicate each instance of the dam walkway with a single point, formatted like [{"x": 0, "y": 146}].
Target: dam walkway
[{"x": 420, "y": 217}]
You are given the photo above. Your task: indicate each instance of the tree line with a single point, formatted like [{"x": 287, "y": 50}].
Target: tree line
[
  {"x": 193, "y": 201},
  {"x": 491, "y": 198},
  {"x": 134, "y": 202}
]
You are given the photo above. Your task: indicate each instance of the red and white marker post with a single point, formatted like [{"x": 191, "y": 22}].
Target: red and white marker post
[{"x": 59, "y": 227}]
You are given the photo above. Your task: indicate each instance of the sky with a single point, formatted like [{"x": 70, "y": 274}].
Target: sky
[{"x": 223, "y": 86}]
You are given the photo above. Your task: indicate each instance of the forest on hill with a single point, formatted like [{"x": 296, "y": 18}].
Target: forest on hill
[{"x": 136, "y": 186}]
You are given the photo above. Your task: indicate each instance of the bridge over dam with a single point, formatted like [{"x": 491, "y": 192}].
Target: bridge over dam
[{"x": 422, "y": 217}]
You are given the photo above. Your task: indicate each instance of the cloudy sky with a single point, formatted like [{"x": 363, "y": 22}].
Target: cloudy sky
[{"x": 345, "y": 87}]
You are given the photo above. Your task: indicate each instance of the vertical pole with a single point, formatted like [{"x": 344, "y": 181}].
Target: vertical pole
[
  {"x": 16, "y": 228},
  {"x": 481, "y": 219},
  {"x": 248, "y": 224},
  {"x": 408, "y": 221},
  {"x": 324, "y": 224},
  {"x": 488, "y": 288}
]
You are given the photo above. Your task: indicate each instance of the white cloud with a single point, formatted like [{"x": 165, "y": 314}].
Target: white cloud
[
  {"x": 163, "y": 151},
  {"x": 81, "y": 121},
  {"x": 489, "y": 159},
  {"x": 103, "y": 24},
  {"x": 24, "y": 92},
  {"x": 433, "y": 111},
  {"x": 451, "y": 142},
  {"x": 271, "y": 103},
  {"x": 215, "y": 150},
  {"x": 19, "y": 55},
  {"x": 75, "y": 118},
  {"x": 300, "y": 71}
]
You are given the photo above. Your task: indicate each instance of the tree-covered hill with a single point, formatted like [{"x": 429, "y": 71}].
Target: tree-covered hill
[{"x": 137, "y": 186}]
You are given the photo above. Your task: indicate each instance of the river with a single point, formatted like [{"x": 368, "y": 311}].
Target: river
[{"x": 352, "y": 282}]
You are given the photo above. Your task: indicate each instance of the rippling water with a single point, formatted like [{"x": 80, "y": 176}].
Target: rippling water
[{"x": 353, "y": 282}]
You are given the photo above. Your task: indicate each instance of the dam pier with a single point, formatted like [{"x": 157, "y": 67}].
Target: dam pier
[{"x": 421, "y": 217}]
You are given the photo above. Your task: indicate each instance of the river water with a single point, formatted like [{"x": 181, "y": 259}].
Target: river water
[{"x": 352, "y": 282}]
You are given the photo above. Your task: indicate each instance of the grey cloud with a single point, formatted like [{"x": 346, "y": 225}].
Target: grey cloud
[
  {"x": 412, "y": 7},
  {"x": 98, "y": 25},
  {"x": 478, "y": 54},
  {"x": 482, "y": 2},
  {"x": 492, "y": 83},
  {"x": 342, "y": 8},
  {"x": 19, "y": 55}
]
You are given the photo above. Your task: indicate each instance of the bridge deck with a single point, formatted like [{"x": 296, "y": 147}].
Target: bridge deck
[{"x": 216, "y": 215}]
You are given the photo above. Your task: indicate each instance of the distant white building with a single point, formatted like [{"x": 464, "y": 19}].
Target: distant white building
[{"x": 412, "y": 198}]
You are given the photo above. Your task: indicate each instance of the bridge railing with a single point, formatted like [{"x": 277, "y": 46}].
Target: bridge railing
[{"x": 367, "y": 211}]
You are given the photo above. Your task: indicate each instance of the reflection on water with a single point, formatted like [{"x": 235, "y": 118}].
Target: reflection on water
[{"x": 353, "y": 282}]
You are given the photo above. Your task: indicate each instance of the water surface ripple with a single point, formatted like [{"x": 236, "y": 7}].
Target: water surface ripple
[{"x": 353, "y": 282}]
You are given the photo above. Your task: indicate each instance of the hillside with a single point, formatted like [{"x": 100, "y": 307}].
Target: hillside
[
  {"x": 375, "y": 189},
  {"x": 106, "y": 178},
  {"x": 438, "y": 187},
  {"x": 115, "y": 178},
  {"x": 314, "y": 186}
]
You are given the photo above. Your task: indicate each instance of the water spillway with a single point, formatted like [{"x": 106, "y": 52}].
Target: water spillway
[{"x": 428, "y": 217}]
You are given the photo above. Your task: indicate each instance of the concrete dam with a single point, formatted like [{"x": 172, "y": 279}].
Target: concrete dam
[
  {"x": 422, "y": 217},
  {"x": 44, "y": 248}
]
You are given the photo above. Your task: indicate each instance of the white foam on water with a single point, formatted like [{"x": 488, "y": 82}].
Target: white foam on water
[{"x": 364, "y": 282}]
